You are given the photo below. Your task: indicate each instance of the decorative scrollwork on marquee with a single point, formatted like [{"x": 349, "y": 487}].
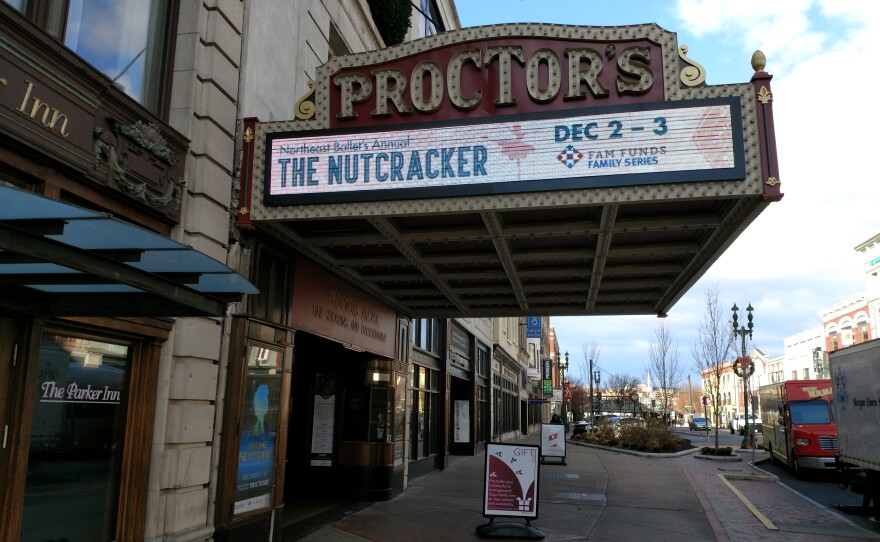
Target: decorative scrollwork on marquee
[
  {"x": 694, "y": 74},
  {"x": 305, "y": 106}
]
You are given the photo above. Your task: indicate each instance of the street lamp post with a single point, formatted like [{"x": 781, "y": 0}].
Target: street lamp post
[
  {"x": 744, "y": 366},
  {"x": 563, "y": 367},
  {"x": 596, "y": 377}
]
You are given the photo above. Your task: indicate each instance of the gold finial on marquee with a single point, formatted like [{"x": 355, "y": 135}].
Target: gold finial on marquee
[{"x": 759, "y": 61}]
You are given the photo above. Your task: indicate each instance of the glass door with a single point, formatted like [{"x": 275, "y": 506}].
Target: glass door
[{"x": 72, "y": 483}]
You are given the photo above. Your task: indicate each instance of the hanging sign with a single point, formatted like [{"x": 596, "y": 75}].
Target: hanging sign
[{"x": 533, "y": 327}]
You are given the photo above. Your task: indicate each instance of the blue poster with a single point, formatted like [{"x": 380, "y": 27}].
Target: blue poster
[{"x": 256, "y": 453}]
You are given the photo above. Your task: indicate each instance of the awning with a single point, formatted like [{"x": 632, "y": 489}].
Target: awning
[{"x": 58, "y": 259}]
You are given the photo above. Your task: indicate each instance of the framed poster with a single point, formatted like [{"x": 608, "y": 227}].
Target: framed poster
[
  {"x": 510, "y": 483},
  {"x": 322, "y": 420},
  {"x": 256, "y": 456},
  {"x": 462, "y": 421}
]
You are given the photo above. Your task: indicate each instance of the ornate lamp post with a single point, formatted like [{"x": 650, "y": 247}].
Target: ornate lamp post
[
  {"x": 744, "y": 366},
  {"x": 563, "y": 367}
]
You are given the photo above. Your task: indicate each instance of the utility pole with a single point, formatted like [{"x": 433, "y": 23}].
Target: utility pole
[{"x": 690, "y": 396}]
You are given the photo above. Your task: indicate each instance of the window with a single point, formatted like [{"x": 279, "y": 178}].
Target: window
[
  {"x": 506, "y": 398},
  {"x": 863, "y": 331},
  {"x": 426, "y": 335},
  {"x": 806, "y": 374},
  {"x": 816, "y": 411},
  {"x": 833, "y": 337},
  {"x": 482, "y": 362},
  {"x": 336, "y": 43},
  {"x": 794, "y": 375},
  {"x": 126, "y": 40},
  {"x": 272, "y": 272},
  {"x": 425, "y": 412},
  {"x": 483, "y": 425},
  {"x": 431, "y": 23}
]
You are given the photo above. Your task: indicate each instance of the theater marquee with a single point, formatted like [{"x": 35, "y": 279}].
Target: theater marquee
[
  {"x": 516, "y": 169},
  {"x": 560, "y": 108}
]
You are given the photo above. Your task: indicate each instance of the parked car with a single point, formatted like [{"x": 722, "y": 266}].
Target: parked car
[
  {"x": 581, "y": 427},
  {"x": 698, "y": 423}
]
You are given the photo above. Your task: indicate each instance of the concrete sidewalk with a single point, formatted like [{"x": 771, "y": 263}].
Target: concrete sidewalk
[{"x": 602, "y": 495}]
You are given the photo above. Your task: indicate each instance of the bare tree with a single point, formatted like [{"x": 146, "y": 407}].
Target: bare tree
[
  {"x": 620, "y": 387},
  {"x": 579, "y": 399},
  {"x": 663, "y": 365},
  {"x": 683, "y": 398},
  {"x": 687, "y": 397},
  {"x": 591, "y": 357},
  {"x": 714, "y": 344}
]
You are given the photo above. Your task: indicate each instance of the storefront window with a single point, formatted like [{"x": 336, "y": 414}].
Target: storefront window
[
  {"x": 424, "y": 412},
  {"x": 399, "y": 417},
  {"x": 256, "y": 457},
  {"x": 483, "y": 425},
  {"x": 72, "y": 486}
]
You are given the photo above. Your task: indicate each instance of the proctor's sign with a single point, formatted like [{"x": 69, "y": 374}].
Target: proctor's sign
[
  {"x": 504, "y": 110},
  {"x": 498, "y": 77}
]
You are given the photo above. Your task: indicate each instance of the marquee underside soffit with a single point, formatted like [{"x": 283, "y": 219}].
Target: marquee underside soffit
[{"x": 620, "y": 258}]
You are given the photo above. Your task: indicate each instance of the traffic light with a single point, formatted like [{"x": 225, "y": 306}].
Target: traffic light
[{"x": 705, "y": 400}]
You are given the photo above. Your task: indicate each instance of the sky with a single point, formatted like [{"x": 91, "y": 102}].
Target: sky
[{"x": 798, "y": 257}]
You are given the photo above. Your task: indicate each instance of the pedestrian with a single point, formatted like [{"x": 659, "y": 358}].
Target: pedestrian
[{"x": 555, "y": 419}]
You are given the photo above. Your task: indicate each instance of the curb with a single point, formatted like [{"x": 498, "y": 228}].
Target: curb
[
  {"x": 722, "y": 458},
  {"x": 670, "y": 455}
]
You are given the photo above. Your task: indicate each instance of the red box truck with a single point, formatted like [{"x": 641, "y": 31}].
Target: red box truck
[{"x": 798, "y": 424}]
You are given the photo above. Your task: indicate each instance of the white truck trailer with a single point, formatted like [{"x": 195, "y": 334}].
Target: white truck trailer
[{"x": 855, "y": 379}]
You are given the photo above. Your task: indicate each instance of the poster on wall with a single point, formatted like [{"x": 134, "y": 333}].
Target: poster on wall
[
  {"x": 462, "y": 421},
  {"x": 256, "y": 455},
  {"x": 322, "y": 420},
  {"x": 511, "y": 481}
]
